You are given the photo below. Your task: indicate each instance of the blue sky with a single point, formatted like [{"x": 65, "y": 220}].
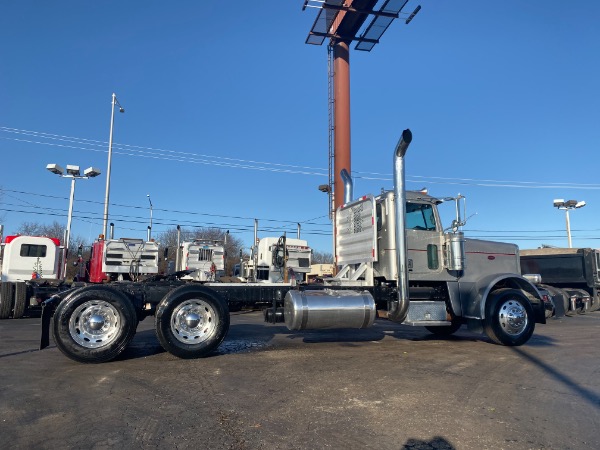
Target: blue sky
[{"x": 226, "y": 114}]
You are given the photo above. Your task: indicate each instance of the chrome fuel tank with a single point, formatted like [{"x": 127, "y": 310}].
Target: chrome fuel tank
[{"x": 309, "y": 310}]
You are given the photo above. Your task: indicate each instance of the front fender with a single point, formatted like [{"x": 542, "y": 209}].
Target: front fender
[
  {"x": 48, "y": 307},
  {"x": 474, "y": 295}
]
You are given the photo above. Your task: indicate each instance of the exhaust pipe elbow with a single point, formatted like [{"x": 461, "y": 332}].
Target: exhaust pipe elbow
[{"x": 348, "y": 185}]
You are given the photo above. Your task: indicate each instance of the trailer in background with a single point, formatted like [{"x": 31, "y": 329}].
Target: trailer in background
[{"x": 571, "y": 275}]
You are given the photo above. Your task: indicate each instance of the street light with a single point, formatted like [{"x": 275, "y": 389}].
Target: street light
[
  {"x": 567, "y": 206},
  {"x": 150, "y": 227},
  {"x": 73, "y": 173},
  {"x": 110, "y": 142}
]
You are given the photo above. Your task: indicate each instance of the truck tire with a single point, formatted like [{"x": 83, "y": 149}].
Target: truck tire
[
  {"x": 20, "y": 300},
  {"x": 191, "y": 321},
  {"x": 569, "y": 312},
  {"x": 94, "y": 324},
  {"x": 6, "y": 300},
  {"x": 509, "y": 318},
  {"x": 445, "y": 330},
  {"x": 596, "y": 304}
]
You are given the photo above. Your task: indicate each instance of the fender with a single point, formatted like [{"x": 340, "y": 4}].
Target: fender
[
  {"x": 474, "y": 295},
  {"x": 48, "y": 307}
]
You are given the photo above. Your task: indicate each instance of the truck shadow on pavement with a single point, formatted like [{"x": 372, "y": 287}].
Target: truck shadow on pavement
[
  {"x": 248, "y": 337},
  {"x": 585, "y": 394}
]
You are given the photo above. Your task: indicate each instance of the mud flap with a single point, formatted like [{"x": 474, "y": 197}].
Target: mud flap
[
  {"x": 47, "y": 309},
  {"x": 539, "y": 311}
]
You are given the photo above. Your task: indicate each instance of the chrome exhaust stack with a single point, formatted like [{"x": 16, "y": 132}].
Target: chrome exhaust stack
[{"x": 398, "y": 309}]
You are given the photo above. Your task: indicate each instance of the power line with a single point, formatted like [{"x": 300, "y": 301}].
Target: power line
[
  {"x": 306, "y": 222},
  {"x": 221, "y": 161}
]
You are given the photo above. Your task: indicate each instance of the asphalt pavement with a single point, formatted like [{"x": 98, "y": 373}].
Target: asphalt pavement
[{"x": 388, "y": 387}]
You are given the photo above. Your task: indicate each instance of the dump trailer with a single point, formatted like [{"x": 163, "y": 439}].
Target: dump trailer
[
  {"x": 396, "y": 261},
  {"x": 571, "y": 275}
]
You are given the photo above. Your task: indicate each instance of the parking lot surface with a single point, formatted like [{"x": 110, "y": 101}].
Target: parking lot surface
[{"x": 388, "y": 387}]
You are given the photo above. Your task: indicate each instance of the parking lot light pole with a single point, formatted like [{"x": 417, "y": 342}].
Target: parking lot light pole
[
  {"x": 568, "y": 206},
  {"x": 74, "y": 174},
  {"x": 110, "y": 143}
]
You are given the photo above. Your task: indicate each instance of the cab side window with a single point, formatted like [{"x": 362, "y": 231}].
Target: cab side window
[{"x": 420, "y": 216}]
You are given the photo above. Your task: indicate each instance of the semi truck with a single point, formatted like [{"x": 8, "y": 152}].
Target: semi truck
[
  {"x": 31, "y": 272},
  {"x": 571, "y": 275},
  {"x": 204, "y": 258},
  {"x": 277, "y": 260},
  {"x": 396, "y": 261},
  {"x": 33, "y": 268}
]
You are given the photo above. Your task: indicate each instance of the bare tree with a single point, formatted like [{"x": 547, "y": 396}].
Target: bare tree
[{"x": 322, "y": 257}]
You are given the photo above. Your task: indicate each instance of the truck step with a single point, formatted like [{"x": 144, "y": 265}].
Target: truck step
[{"x": 425, "y": 312}]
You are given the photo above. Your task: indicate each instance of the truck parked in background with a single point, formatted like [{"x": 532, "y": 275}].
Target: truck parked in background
[
  {"x": 571, "y": 275},
  {"x": 204, "y": 257},
  {"x": 278, "y": 260},
  {"x": 397, "y": 261},
  {"x": 31, "y": 268},
  {"x": 31, "y": 272}
]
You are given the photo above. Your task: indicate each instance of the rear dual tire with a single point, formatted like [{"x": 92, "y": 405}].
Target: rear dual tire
[
  {"x": 445, "y": 330},
  {"x": 20, "y": 300},
  {"x": 94, "y": 324},
  {"x": 191, "y": 321},
  {"x": 6, "y": 299}
]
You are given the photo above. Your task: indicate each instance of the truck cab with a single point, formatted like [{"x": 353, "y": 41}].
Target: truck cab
[
  {"x": 279, "y": 260},
  {"x": 451, "y": 279},
  {"x": 205, "y": 257},
  {"x": 30, "y": 257}
]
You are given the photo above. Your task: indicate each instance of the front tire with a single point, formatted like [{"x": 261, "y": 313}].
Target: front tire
[
  {"x": 191, "y": 321},
  {"x": 509, "y": 318},
  {"x": 94, "y": 324}
]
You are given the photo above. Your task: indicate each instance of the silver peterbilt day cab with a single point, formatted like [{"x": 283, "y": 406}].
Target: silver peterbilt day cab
[
  {"x": 394, "y": 246},
  {"x": 396, "y": 261}
]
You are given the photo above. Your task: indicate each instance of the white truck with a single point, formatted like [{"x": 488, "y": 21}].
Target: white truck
[
  {"x": 278, "y": 260},
  {"x": 396, "y": 260},
  {"x": 23, "y": 259},
  {"x": 205, "y": 258}
]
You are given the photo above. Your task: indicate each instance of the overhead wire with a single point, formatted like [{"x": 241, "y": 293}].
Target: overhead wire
[{"x": 195, "y": 158}]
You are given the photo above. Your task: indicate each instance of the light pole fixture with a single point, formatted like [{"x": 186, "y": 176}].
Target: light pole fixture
[
  {"x": 73, "y": 173},
  {"x": 150, "y": 227},
  {"x": 568, "y": 206},
  {"x": 110, "y": 143}
]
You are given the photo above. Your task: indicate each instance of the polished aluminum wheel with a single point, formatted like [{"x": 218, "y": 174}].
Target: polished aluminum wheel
[
  {"x": 512, "y": 317},
  {"x": 193, "y": 321},
  {"x": 94, "y": 324}
]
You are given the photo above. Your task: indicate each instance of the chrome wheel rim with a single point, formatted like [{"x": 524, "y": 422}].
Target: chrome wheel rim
[
  {"x": 512, "y": 317},
  {"x": 193, "y": 321},
  {"x": 94, "y": 324}
]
